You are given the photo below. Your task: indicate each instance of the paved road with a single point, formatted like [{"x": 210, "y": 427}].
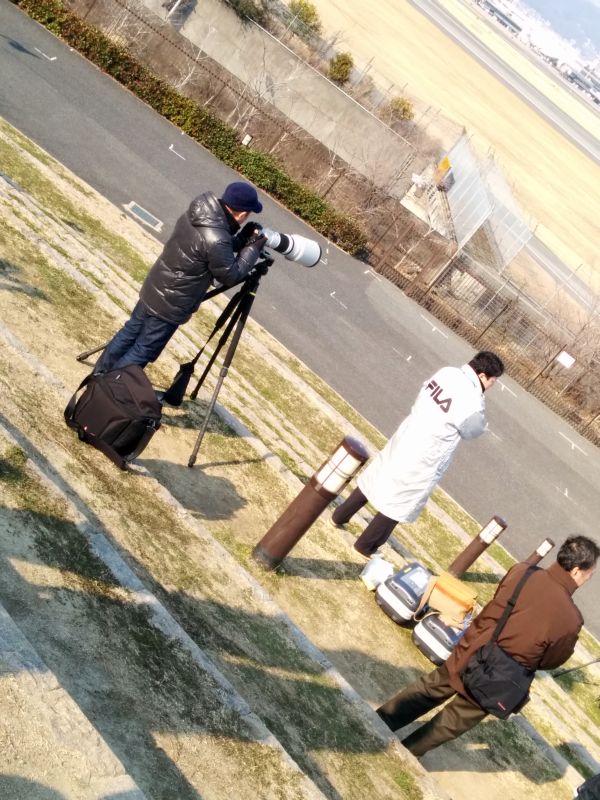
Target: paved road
[{"x": 360, "y": 333}]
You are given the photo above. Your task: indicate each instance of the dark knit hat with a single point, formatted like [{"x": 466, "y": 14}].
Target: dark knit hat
[{"x": 241, "y": 196}]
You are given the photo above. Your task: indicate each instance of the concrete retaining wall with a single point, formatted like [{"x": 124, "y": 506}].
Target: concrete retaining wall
[{"x": 301, "y": 93}]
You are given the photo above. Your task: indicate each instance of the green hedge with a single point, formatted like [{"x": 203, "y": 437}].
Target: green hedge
[{"x": 200, "y": 124}]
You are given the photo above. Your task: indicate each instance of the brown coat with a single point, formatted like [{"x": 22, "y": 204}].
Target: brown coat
[{"x": 540, "y": 633}]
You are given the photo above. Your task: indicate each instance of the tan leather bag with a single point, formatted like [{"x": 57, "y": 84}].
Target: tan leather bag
[{"x": 450, "y": 597}]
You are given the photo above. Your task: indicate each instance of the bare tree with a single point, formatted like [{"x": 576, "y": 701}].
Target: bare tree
[
  {"x": 187, "y": 69},
  {"x": 260, "y": 90},
  {"x": 126, "y": 29}
]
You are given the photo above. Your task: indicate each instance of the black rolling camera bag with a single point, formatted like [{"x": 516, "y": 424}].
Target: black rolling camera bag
[{"x": 118, "y": 413}]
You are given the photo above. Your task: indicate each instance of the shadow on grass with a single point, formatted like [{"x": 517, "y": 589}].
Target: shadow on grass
[
  {"x": 321, "y": 569},
  {"x": 14, "y": 788},
  {"x": 204, "y": 495},
  {"x": 190, "y": 415},
  {"x": 500, "y": 746},
  {"x": 139, "y": 687},
  {"x": 10, "y": 282}
]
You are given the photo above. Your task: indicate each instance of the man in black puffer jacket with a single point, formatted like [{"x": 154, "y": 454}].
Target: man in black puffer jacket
[{"x": 203, "y": 246}]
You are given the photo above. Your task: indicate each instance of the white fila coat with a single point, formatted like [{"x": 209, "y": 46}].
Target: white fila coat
[{"x": 449, "y": 407}]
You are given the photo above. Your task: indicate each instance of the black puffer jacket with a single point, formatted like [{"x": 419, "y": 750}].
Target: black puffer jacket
[{"x": 201, "y": 247}]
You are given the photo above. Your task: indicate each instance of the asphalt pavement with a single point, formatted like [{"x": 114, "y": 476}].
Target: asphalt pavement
[{"x": 357, "y": 331}]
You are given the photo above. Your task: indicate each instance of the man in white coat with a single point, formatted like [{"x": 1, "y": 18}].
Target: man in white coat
[{"x": 399, "y": 480}]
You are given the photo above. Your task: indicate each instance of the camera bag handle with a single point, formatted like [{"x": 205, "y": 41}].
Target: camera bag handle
[
  {"x": 68, "y": 413},
  {"x": 108, "y": 451}
]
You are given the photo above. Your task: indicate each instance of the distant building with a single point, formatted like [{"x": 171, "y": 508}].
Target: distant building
[
  {"x": 501, "y": 17},
  {"x": 579, "y": 81},
  {"x": 592, "y": 76}
]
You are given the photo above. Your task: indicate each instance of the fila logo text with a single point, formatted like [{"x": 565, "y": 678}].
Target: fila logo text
[{"x": 436, "y": 391}]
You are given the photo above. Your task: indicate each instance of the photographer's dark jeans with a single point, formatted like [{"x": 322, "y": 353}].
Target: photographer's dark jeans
[{"x": 140, "y": 341}]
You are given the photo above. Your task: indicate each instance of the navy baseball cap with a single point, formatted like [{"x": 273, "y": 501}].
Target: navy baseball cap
[{"x": 240, "y": 196}]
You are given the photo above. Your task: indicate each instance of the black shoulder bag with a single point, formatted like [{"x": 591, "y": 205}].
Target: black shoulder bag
[
  {"x": 118, "y": 413},
  {"x": 494, "y": 680}
]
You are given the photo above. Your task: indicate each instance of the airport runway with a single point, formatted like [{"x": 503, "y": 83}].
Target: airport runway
[{"x": 584, "y": 140}]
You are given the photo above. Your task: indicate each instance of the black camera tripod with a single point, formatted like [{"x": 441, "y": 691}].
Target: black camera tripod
[
  {"x": 235, "y": 314},
  {"x": 233, "y": 317}
]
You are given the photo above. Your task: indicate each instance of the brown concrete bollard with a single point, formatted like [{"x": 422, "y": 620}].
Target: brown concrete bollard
[
  {"x": 474, "y": 549},
  {"x": 324, "y": 486},
  {"x": 542, "y": 550}
]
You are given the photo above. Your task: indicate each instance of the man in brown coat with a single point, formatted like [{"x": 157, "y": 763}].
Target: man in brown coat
[{"x": 540, "y": 633}]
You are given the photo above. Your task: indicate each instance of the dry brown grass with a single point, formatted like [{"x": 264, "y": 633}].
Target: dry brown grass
[{"x": 554, "y": 181}]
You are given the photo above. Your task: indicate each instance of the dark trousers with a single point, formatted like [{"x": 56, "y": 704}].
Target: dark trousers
[
  {"x": 140, "y": 341},
  {"x": 377, "y": 532},
  {"x": 429, "y": 691}
]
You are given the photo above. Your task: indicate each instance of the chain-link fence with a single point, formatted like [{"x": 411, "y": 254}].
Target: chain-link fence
[{"x": 554, "y": 355}]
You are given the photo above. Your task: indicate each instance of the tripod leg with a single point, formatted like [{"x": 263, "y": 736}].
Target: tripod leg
[
  {"x": 88, "y": 353},
  {"x": 225, "y": 335},
  {"x": 244, "y": 310},
  {"x": 222, "y": 375}
]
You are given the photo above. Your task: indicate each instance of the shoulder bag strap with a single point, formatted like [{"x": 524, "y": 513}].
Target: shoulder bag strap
[
  {"x": 108, "y": 451},
  {"x": 425, "y": 596},
  {"x": 73, "y": 401},
  {"x": 512, "y": 601},
  {"x": 223, "y": 316}
]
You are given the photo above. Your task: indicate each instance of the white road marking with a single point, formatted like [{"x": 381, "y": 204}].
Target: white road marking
[
  {"x": 373, "y": 274},
  {"x": 408, "y": 358},
  {"x": 332, "y": 294},
  {"x": 564, "y": 492},
  {"x": 172, "y": 149},
  {"x": 434, "y": 329},
  {"x": 573, "y": 445},
  {"x": 495, "y": 435},
  {"x": 504, "y": 387},
  {"x": 44, "y": 54}
]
